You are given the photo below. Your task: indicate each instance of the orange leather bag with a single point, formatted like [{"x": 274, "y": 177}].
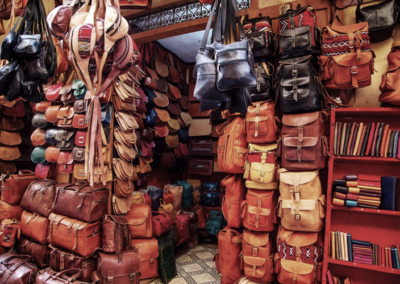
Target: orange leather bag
[
  {"x": 35, "y": 227},
  {"x": 8, "y": 211},
  {"x": 74, "y": 235},
  {"x": 257, "y": 256},
  {"x": 13, "y": 187},
  {"x": 148, "y": 250},
  {"x": 232, "y": 145},
  {"x": 390, "y": 80},
  {"x": 261, "y": 122},
  {"x": 140, "y": 221},
  {"x": 258, "y": 210},
  {"x": 234, "y": 196},
  {"x": 227, "y": 258},
  {"x": 290, "y": 271}
]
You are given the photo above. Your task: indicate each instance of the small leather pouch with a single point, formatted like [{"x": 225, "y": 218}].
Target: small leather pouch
[
  {"x": 123, "y": 188},
  {"x": 124, "y": 151},
  {"x": 161, "y": 130},
  {"x": 172, "y": 140},
  {"x": 168, "y": 160},
  {"x": 65, "y": 139},
  {"x": 79, "y": 121},
  {"x": 39, "y": 120},
  {"x": 174, "y": 109},
  {"x": 50, "y": 136},
  {"x": 9, "y": 124},
  {"x": 144, "y": 164},
  {"x": 37, "y": 155},
  {"x": 182, "y": 151},
  {"x": 65, "y": 162},
  {"x": 51, "y": 113},
  {"x": 79, "y": 89},
  {"x": 80, "y": 106},
  {"x": 173, "y": 125},
  {"x": 127, "y": 138},
  {"x": 42, "y": 106},
  {"x": 79, "y": 171},
  {"x": 53, "y": 92},
  {"x": 37, "y": 137},
  {"x": 184, "y": 103},
  {"x": 185, "y": 119},
  {"x": 78, "y": 154},
  {"x": 126, "y": 121},
  {"x": 80, "y": 138},
  {"x": 51, "y": 154},
  {"x": 17, "y": 110}
]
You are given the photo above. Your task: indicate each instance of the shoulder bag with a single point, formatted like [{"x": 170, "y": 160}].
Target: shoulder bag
[
  {"x": 17, "y": 269},
  {"x": 140, "y": 221},
  {"x": 148, "y": 250},
  {"x": 48, "y": 276},
  {"x": 116, "y": 237},
  {"x": 13, "y": 187}
]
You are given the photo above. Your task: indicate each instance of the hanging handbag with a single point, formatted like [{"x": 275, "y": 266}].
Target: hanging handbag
[
  {"x": 260, "y": 36},
  {"x": 264, "y": 90}
]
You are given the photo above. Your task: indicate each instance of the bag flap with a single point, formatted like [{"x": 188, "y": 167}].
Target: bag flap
[
  {"x": 350, "y": 59},
  {"x": 66, "y": 112},
  {"x": 300, "y": 119},
  {"x": 80, "y": 138},
  {"x": 295, "y": 239},
  {"x": 51, "y": 154},
  {"x": 43, "y": 106},
  {"x": 255, "y": 211},
  {"x": 256, "y": 239},
  {"x": 349, "y": 28},
  {"x": 373, "y": 178},
  {"x": 78, "y": 154},
  {"x": 200, "y": 127},
  {"x": 53, "y": 92},
  {"x": 260, "y": 167},
  {"x": 79, "y": 121},
  {"x": 297, "y": 267},
  {"x": 303, "y": 204},
  {"x": 65, "y": 158},
  {"x": 13, "y": 138},
  {"x": 52, "y": 113},
  {"x": 109, "y": 264},
  {"x": 174, "y": 124},
  {"x": 160, "y": 99},
  {"x": 299, "y": 81},
  {"x": 296, "y": 60},
  {"x": 294, "y": 141},
  {"x": 262, "y": 147},
  {"x": 295, "y": 32},
  {"x": 167, "y": 207},
  {"x": 297, "y": 178},
  {"x": 64, "y": 135},
  {"x": 137, "y": 221},
  {"x": 119, "y": 219},
  {"x": 254, "y": 261},
  {"x": 162, "y": 114},
  {"x": 148, "y": 248}
]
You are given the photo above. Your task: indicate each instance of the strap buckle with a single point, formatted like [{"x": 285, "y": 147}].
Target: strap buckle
[
  {"x": 354, "y": 70},
  {"x": 295, "y": 73},
  {"x": 297, "y": 217}
]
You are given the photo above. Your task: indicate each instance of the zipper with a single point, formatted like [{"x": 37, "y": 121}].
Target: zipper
[{"x": 94, "y": 234}]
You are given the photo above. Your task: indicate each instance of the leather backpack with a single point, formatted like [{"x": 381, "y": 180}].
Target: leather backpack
[
  {"x": 148, "y": 250},
  {"x": 193, "y": 221},
  {"x": 187, "y": 195},
  {"x": 301, "y": 203},
  {"x": 232, "y": 145},
  {"x": 264, "y": 90},
  {"x": 116, "y": 237},
  {"x": 390, "y": 92},
  {"x": 261, "y": 122},
  {"x": 48, "y": 276},
  {"x": 260, "y": 36},
  {"x": 182, "y": 226},
  {"x": 161, "y": 223},
  {"x": 227, "y": 258},
  {"x": 258, "y": 210},
  {"x": 177, "y": 191},
  {"x": 127, "y": 272},
  {"x": 140, "y": 221},
  {"x": 35, "y": 227},
  {"x": 201, "y": 216},
  {"x": 261, "y": 166},
  {"x": 234, "y": 196},
  {"x": 13, "y": 187},
  {"x": 39, "y": 252},
  {"x": 257, "y": 256},
  {"x": 17, "y": 269},
  {"x": 39, "y": 197},
  {"x": 302, "y": 145},
  {"x": 214, "y": 222}
]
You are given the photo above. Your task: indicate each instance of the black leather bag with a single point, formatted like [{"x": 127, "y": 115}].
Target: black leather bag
[
  {"x": 50, "y": 136},
  {"x": 240, "y": 101},
  {"x": 7, "y": 73},
  {"x": 9, "y": 42},
  {"x": 261, "y": 42},
  {"x": 210, "y": 104},
  {"x": 295, "y": 42},
  {"x": 265, "y": 86},
  {"x": 381, "y": 17},
  {"x": 155, "y": 194},
  {"x": 14, "y": 90},
  {"x": 32, "y": 91},
  {"x": 299, "y": 89},
  {"x": 209, "y": 199},
  {"x": 28, "y": 46}
]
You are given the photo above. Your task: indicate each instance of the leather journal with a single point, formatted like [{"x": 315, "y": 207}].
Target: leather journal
[
  {"x": 346, "y": 139},
  {"x": 387, "y": 143},
  {"x": 374, "y": 139},
  {"x": 390, "y": 150},
  {"x": 379, "y": 140},
  {"x": 370, "y": 138},
  {"x": 395, "y": 144},
  {"x": 335, "y": 138},
  {"x": 358, "y": 137},
  {"x": 350, "y": 139},
  {"x": 353, "y": 140},
  {"x": 365, "y": 141},
  {"x": 384, "y": 138},
  {"x": 364, "y": 130}
]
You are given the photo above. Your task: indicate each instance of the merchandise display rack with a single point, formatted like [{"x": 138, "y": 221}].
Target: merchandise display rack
[{"x": 373, "y": 225}]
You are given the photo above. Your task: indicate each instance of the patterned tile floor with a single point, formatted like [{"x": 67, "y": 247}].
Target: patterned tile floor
[{"x": 195, "y": 266}]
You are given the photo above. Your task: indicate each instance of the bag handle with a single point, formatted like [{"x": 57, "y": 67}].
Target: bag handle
[{"x": 208, "y": 27}]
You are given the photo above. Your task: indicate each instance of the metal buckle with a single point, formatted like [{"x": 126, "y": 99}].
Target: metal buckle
[
  {"x": 297, "y": 217},
  {"x": 354, "y": 70},
  {"x": 295, "y": 73}
]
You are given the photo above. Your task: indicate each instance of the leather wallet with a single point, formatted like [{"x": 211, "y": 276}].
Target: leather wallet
[
  {"x": 351, "y": 177},
  {"x": 363, "y": 131},
  {"x": 339, "y": 182},
  {"x": 389, "y": 154},
  {"x": 384, "y": 138},
  {"x": 370, "y": 138},
  {"x": 369, "y": 181},
  {"x": 379, "y": 140},
  {"x": 346, "y": 139},
  {"x": 374, "y": 139},
  {"x": 335, "y": 138},
  {"x": 338, "y": 202},
  {"x": 353, "y": 141},
  {"x": 341, "y": 189},
  {"x": 344, "y": 129},
  {"x": 350, "y": 203},
  {"x": 387, "y": 143},
  {"x": 358, "y": 137},
  {"x": 395, "y": 143},
  {"x": 365, "y": 141},
  {"x": 339, "y": 195},
  {"x": 353, "y": 126},
  {"x": 352, "y": 196}
]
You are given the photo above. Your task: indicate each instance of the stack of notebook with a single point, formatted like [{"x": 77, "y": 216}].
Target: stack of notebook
[
  {"x": 374, "y": 139},
  {"x": 390, "y": 257},
  {"x": 358, "y": 191}
]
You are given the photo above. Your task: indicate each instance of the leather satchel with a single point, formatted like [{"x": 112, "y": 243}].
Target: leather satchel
[
  {"x": 148, "y": 250},
  {"x": 65, "y": 139},
  {"x": 123, "y": 188},
  {"x": 125, "y": 272},
  {"x": 140, "y": 221},
  {"x": 289, "y": 271},
  {"x": 302, "y": 145},
  {"x": 258, "y": 210},
  {"x": 261, "y": 122},
  {"x": 169, "y": 210},
  {"x": 81, "y": 201},
  {"x": 10, "y": 231},
  {"x": 39, "y": 120},
  {"x": 168, "y": 196},
  {"x": 8, "y": 211},
  {"x": 35, "y": 227},
  {"x": 193, "y": 221},
  {"x": 161, "y": 223},
  {"x": 39, "y": 252},
  {"x": 37, "y": 137},
  {"x": 10, "y": 138},
  {"x": 39, "y": 197},
  {"x": 233, "y": 198},
  {"x": 260, "y": 36},
  {"x": 51, "y": 135},
  {"x": 65, "y": 162},
  {"x": 257, "y": 256},
  {"x": 116, "y": 237},
  {"x": 9, "y": 124},
  {"x": 389, "y": 90},
  {"x": 74, "y": 235},
  {"x": 62, "y": 259},
  {"x": 301, "y": 203},
  {"x": 43, "y": 172},
  {"x": 49, "y": 276},
  {"x": 264, "y": 72},
  {"x": 121, "y": 205},
  {"x": 13, "y": 187},
  {"x": 17, "y": 269},
  {"x": 137, "y": 197}
]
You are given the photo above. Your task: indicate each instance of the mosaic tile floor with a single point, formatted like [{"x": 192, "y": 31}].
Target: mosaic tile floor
[{"x": 195, "y": 266}]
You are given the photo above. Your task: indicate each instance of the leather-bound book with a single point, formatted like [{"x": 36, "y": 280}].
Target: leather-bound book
[
  {"x": 347, "y": 138},
  {"x": 359, "y": 133},
  {"x": 387, "y": 143},
  {"x": 384, "y": 139},
  {"x": 390, "y": 150},
  {"x": 370, "y": 138},
  {"x": 339, "y": 138},
  {"x": 354, "y": 139},
  {"x": 335, "y": 138},
  {"x": 352, "y": 130},
  {"x": 395, "y": 144},
  {"x": 358, "y": 153},
  {"x": 365, "y": 140},
  {"x": 388, "y": 201},
  {"x": 344, "y": 130},
  {"x": 374, "y": 139},
  {"x": 379, "y": 140},
  {"x": 398, "y": 195}
]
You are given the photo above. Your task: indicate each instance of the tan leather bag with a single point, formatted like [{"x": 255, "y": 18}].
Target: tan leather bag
[
  {"x": 169, "y": 210},
  {"x": 121, "y": 205},
  {"x": 390, "y": 79},
  {"x": 148, "y": 250},
  {"x": 10, "y": 138},
  {"x": 261, "y": 122},
  {"x": 290, "y": 271},
  {"x": 137, "y": 198},
  {"x": 123, "y": 188},
  {"x": 301, "y": 203},
  {"x": 74, "y": 235},
  {"x": 13, "y": 187},
  {"x": 177, "y": 191},
  {"x": 35, "y": 227},
  {"x": 8, "y": 211},
  {"x": 140, "y": 221},
  {"x": 258, "y": 210}
]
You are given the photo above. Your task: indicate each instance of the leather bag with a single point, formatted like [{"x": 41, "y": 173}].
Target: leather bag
[
  {"x": 7, "y": 167},
  {"x": 81, "y": 201},
  {"x": 8, "y": 211},
  {"x": 85, "y": 237},
  {"x": 140, "y": 221},
  {"x": 37, "y": 137},
  {"x": 49, "y": 276},
  {"x": 232, "y": 200},
  {"x": 201, "y": 166},
  {"x": 17, "y": 269},
  {"x": 137, "y": 197},
  {"x": 9, "y": 124},
  {"x": 148, "y": 250},
  {"x": 200, "y": 214},
  {"x": 261, "y": 122},
  {"x": 39, "y": 252},
  {"x": 39, "y": 197},
  {"x": 182, "y": 226},
  {"x": 123, "y": 188},
  {"x": 260, "y": 36},
  {"x": 169, "y": 210},
  {"x": 10, "y": 153},
  {"x": 301, "y": 203},
  {"x": 116, "y": 237},
  {"x": 50, "y": 135},
  {"x": 168, "y": 196},
  {"x": 45, "y": 171},
  {"x": 10, "y": 138},
  {"x": 290, "y": 271},
  {"x": 214, "y": 222},
  {"x": 35, "y": 227},
  {"x": 13, "y": 187},
  {"x": 167, "y": 261},
  {"x": 302, "y": 145},
  {"x": 264, "y": 90},
  {"x": 177, "y": 191},
  {"x": 65, "y": 162},
  {"x": 121, "y": 205},
  {"x": 38, "y": 155},
  {"x": 65, "y": 139},
  {"x": 257, "y": 256},
  {"x": 389, "y": 90},
  {"x": 10, "y": 231},
  {"x": 193, "y": 221},
  {"x": 161, "y": 223},
  {"x": 156, "y": 195}
]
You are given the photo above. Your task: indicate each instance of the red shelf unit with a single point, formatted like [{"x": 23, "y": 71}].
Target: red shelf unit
[{"x": 374, "y": 225}]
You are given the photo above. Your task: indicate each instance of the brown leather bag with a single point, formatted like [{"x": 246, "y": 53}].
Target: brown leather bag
[
  {"x": 161, "y": 223},
  {"x": 302, "y": 145},
  {"x": 9, "y": 124},
  {"x": 290, "y": 271},
  {"x": 123, "y": 188},
  {"x": 137, "y": 197},
  {"x": 200, "y": 215},
  {"x": 35, "y": 227},
  {"x": 389, "y": 85},
  {"x": 232, "y": 145},
  {"x": 227, "y": 257},
  {"x": 169, "y": 210},
  {"x": 38, "y": 252},
  {"x": 7, "y": 167},
  {"x": 74, "y": 235},
  {"x": 232, "y": 200},
  {"x": 81, "y": 201},
  {"x": 51, "y": 154},
  {"x": 8, "y": 211},
  {"x": 116, "y": 237},
  {"x": 257, "y": 256},
  {"x": 182, "y": 226},
  {"x": 177, "y": 191},
  {"x": 301, "y": 203},
  {"x": 121, "y": 205},
  {"x": 17, "y": 269},
  {"x": 139, "y": 218},
  {"x": 37, "y": 137},
  {"x": 10, "y": 231},
  {"x": 261, "y": 122},
  {"x": 168, "y": 196},
  {"x": 258, "y": 210},
  {"x": 148, "y": 250},
  {"x": 48, "y": 276},
  {"x": 111, "y": 270},
  {"x": 39, "y": 197},
  {"x": 13, "y": 187},
  {"x": 193, "y": 221}
]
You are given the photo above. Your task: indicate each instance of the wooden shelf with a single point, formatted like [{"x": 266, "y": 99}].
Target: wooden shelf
[
  {"x": 366, "y": 210},
  {"x": 370, "y": 267},
  {"x": 366, "y": 159}
]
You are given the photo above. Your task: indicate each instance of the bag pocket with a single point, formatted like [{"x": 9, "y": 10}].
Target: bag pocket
[
  {"x": 258, "y": 217},
  {"x": 308, "y": 217},
  {"x": 307, "y": 151},
  {"x": 390, "y": 80},
  {"x": 222, "y": 141},
  {"x": 257, "y": 126},
  {"x": 295, "y": 39},
  {"x": 296, "y": 272},
  {"x": 303, "y": 88},
  {"x": 262, "y": 173},
  {"x": 239, "y": 156},
  {"x": 254, "y": 267},
  {"x": 343, "y": 68}
]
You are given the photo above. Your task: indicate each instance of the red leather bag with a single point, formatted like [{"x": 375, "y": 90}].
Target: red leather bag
[
  {"x": 39, "y": 197},
  {"x": 10, "y": 231},
  {"x": 49, "y": 276},
  {"x": 261, "y": 122},
  {"x": 140, "y": 221},
  {"x": 227, "y": 258},
  {"x": 182, "y": 226},
  {"x": 201, "y": 216},
  {"x": 258, "y": 210},
  {"x": 232, "y": 200},
  {"x": 18, "y": 110},
  {"x": 17, "y": 269},
  {"x": 13, "y": 187},
  {"x": 116, "y": 237},
  {"x": 43, "y": 172},
  {"x": 35, "y": 227},
  {"x": 161, "y": 223},
  {"x": 148, "y": 250},
  {"x": 168, "y": 196}
]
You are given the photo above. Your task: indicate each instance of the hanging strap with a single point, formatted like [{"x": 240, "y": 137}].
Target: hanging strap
[{"x": 208, "y": 27}]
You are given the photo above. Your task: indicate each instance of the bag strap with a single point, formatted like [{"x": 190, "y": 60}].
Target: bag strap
[{"x": 208, "y": 27}]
